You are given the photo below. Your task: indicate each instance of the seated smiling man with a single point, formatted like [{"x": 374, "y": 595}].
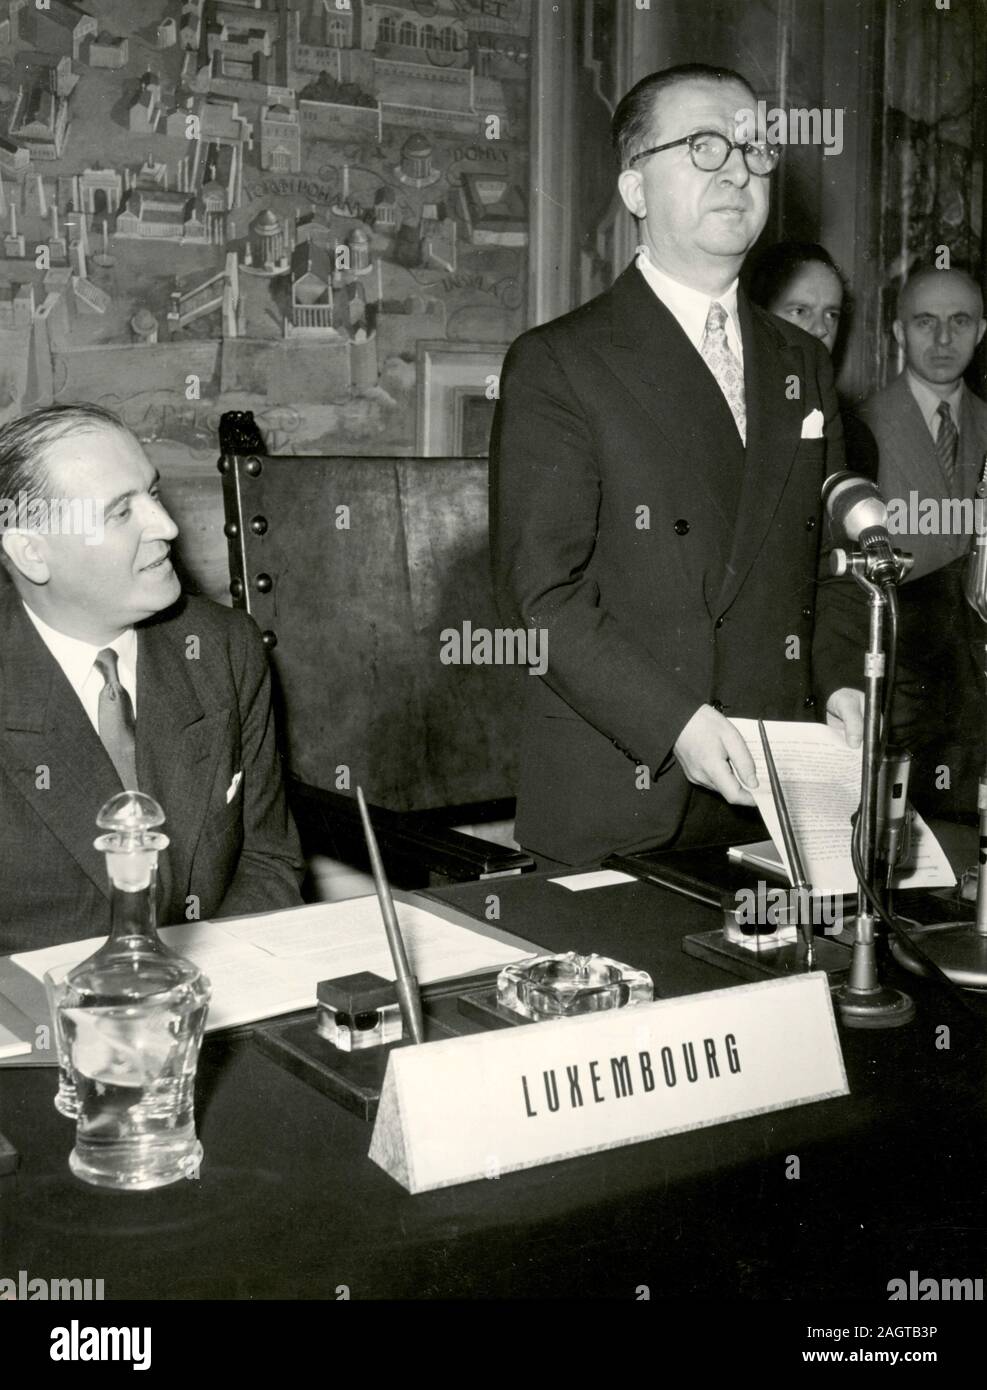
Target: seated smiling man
[{"x": 111, "y": 678}]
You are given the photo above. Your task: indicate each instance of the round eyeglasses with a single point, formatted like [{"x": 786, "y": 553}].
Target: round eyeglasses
[{"x": 709, "y": 151}]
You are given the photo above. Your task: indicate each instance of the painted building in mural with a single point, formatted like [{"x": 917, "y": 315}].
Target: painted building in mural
[
  {"x": 280, "y": 133},
  {"x": 238, "y": 181}
]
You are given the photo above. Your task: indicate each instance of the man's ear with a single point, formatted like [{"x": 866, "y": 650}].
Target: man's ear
[
  {"x": 631, "y": 187},
  {"x": 26, "y": 552},
  {"x": 981, "y": 330},
  {"x": 898, "y": 329}
]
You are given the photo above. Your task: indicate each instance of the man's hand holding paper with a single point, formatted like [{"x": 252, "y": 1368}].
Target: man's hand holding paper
[
  {"x": 820, "y": 776},
  {"x": 845, "y": 712},
  {"x": 712, "y": 753}
]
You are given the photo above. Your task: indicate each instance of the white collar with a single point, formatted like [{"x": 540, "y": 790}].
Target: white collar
[
  {"x": 76, "y": 657},
  {"x": 689, "y": 306}
]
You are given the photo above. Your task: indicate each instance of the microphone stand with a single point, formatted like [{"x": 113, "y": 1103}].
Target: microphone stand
[{"x": 863, "y": 1001}]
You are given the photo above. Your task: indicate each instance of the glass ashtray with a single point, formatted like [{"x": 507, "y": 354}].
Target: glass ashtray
[{"x": 563, "y": 986}]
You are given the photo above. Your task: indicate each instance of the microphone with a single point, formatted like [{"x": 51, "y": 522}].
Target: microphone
[
  {"x": 857, "y": 510},
  {"x": 894, "y": 818}
]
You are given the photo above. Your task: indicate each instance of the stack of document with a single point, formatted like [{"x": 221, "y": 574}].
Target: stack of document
[
  {"x": 820, "y": 777},
  {"x": 267, "y": 965}
]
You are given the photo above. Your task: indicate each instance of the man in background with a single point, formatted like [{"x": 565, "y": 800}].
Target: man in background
[
  {"x": 110, "y": 679},
  {"x": 931, "y": 433}
]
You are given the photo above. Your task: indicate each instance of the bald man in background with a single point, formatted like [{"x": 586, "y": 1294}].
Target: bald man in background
[{"x": 931, "y": 433}]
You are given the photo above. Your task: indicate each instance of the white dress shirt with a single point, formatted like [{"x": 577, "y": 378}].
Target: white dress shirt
[
  {"x": 929, "y": 403},
  {"x": 76, "y": 659},
  {"x": 691, "y": 307}
]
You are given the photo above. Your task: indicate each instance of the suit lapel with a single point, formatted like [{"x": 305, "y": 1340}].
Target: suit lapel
[
  {"x": 45, "y": 727},
  {"x": 973, "y": 441},
  {"x": 774, "y": 425},
  {"x": 178, "y": 745},
  {"x": 910, "y": 471},
  {"x": 655, "y": 361},
  {"x": 911, "y": 460}
]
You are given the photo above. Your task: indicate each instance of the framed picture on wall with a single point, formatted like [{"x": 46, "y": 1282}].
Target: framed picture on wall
[{"x": 456, "y": 394}]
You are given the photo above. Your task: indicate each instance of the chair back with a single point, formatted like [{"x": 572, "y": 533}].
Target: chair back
[{"x": 358, "y": 570}]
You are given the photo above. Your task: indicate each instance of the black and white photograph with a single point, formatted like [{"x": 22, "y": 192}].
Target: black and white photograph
[{"x": 493, "y": 675}]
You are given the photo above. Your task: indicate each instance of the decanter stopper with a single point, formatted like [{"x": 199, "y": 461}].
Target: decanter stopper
[{"x": 132, "y": 842}]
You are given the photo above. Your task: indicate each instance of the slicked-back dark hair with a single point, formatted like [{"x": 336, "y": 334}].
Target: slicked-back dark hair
[
  {"x": 24, "y": 444},
  {"x": 633, "y": 124}
]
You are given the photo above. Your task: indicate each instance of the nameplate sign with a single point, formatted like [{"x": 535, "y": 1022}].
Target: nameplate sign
[{"x": 484, "y": 1105}]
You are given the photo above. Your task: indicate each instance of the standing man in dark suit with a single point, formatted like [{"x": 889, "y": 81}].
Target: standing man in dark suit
[
  {"x": 656, "y": 464},
  {"x": 109, "y": 679},
  {"x": 931, "y": 433}
]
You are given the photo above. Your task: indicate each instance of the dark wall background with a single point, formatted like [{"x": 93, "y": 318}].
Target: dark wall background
[{"x": 912, "y": 81}]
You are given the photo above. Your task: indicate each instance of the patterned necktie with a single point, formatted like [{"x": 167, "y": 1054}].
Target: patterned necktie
[
  {"x": 720, "y": 359},
  {"x": 116, "y": 719},
  {"x": 947, "y": 441}
]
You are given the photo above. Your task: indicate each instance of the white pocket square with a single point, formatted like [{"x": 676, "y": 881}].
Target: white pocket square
[
  {"x": 812, "y": 425},
  {"x": 231, "y": 789}
]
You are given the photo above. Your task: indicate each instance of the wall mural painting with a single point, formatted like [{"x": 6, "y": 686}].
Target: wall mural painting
[{"x": 210, "y": 205}]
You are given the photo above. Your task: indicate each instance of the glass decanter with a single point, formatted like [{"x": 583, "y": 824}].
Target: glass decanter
[{"x": 132, "y": 1018}]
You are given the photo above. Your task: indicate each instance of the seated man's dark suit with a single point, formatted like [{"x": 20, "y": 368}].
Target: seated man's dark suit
[
  {"x": 203, "y": 715},
  {"x": 670, "y": 566},
  {"x": 939, "y": 707}
]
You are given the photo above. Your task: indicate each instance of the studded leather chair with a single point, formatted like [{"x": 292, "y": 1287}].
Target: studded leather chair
[{"x": 354, "y": 568}]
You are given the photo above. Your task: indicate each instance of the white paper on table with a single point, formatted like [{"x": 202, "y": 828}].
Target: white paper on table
[
  {"x": 594, "y": 878},
  {"x": 820, "y": 777},
  {"x": 270, "y": 964},
  {"x": 326, "y": 940}
]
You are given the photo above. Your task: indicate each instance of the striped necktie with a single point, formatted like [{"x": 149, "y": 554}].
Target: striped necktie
[
  {"x": 116, "y": 720},
  {"x": 720, "y": 359},
  {"x": 947, "y": 441}
]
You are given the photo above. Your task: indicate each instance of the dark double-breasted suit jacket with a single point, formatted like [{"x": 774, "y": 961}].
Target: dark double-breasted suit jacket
[
  {"x": 203, "y": 716},
  {"x": 670, "y": 566}
]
